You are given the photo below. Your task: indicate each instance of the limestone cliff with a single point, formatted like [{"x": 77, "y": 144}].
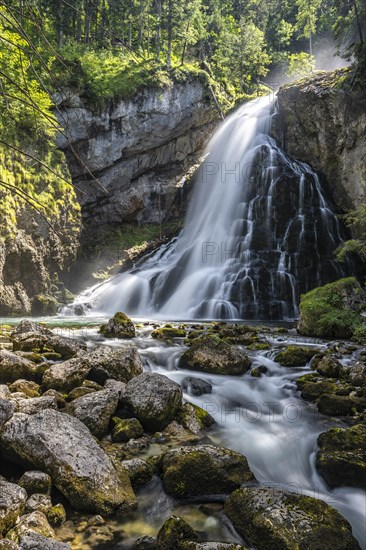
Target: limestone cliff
[
  {"x": 322, "y": 121},
  {"x": 139, "y": 150}
]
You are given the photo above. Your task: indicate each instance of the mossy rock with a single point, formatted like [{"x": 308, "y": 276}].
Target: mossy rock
[
  {"x": 119, "y": 326},
  {"x": 203, "y": 470},
  {"x": 168, "y": 332},
  {"x": 193, "y": 418},
  {"x": 340, "y": 405},
  {"x": 139, "y": 471},
  {"x": 329, "y": 367},
  {"x": 45, "y": 305},
  {"x": 295, "y": 356},
  {"x": 29, "y": 388},
  {"x": 259, "y": 346},
  {"x": 270, "y": 519},
  {"x": 126, "y": 429},
  {"x": 56, "y": 515},
  {"x": 333, "y": 310},
  {"x": 210, "y": 354},
  {"x": 258, "y": 371},
  {"x": 79, "y": 392},
  {"x": 313, "y": 386},
  {"x": 341, "y": 458},
  {"x": 173, "y": 533}
]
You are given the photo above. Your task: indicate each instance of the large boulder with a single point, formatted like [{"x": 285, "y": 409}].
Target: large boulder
[
  {"x": 34, "y": 405},
  {"x": 34, "y": 541},
  {"x": 63, "y": 447},
  {"x": 121, "y": 364},
  {"x": 12, "y": 504},
  {"x": 41, "y": 341},
  {"x": 68, "y": 375},
  {"x": 174, "y": 533},
  {"x": 203, "y": 470},
  {"x": 210, "y": 354},
  {"x": 119, "y": 326},
  {"x": 341, "y": 458},
  {"x": 270, "y": 519},
  {"x": 295, "y": 356},
  {"x": 27, "y": 325},
  {"x": 153, "y": 399},
  {"x": 13, "y": 367},
  {"x": 95, "y": 410}
]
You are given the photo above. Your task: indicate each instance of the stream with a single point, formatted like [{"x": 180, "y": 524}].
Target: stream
[{"x": 263, "y": 418}]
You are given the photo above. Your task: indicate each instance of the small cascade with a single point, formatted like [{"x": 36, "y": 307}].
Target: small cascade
[{"x": 258, "y": 233}]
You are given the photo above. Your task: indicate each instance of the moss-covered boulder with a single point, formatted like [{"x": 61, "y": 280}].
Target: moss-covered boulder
[
  {"x": 270, "y": 519},
  {"x": 139, "y": 471},
  {"x": 174, "y": 532},
  {"x": 168, "y": 332},
  {"x": 194, "y": 418},
  {"x": 56, "y": 515},
  {"x": 313, "y": 386},
  {"x": 153, "y": 399},
  {"x": 340, "y": 405},
  {"x": 210, "y": 354},
  {"x": 28, "y": 387},
  {"x": 329, "y": 367},
  {"x": 35, "y": 522},
  {"x": 295, "y": 356},
  {"x": 126, "y": 429},
  {"x": 63, "y": 447},
  {"x": 203, "y": 470},
  {"x": 341, "y": 458},
  {"x": 119, "y": 326},
  {"x": 333, "y": 310},
  {"x": 12, "y": 504}
]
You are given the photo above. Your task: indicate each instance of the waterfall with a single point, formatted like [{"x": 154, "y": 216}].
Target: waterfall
[{"x": 258, "y": 232}]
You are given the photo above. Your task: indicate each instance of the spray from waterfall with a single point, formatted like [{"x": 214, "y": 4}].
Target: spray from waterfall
[{"x": 258, "y": 232}]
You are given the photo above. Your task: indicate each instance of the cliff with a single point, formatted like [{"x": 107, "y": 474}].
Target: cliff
[{"x": 322, "y": 121}]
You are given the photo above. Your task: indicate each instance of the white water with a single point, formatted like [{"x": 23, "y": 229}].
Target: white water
[{"x": 258, "y": 231}]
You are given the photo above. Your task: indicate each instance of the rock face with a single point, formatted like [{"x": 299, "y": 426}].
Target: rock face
[
  {"x": 12, "y": 503},
  {"x": 208, "y": 354},
  {"x": 324, "y": 124},
  {"x": 64, "y": 448},
  {"x": 150, "y": 140},
  {"x": 270, "y": 519},
  {"x": 203, "y": 470},
  {"x": 154, "y": 399}
]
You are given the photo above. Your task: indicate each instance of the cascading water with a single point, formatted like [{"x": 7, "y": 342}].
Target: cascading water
[{"x": 258, "y": 232}]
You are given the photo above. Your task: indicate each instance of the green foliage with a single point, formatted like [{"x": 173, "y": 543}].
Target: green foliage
[
  {"x": 331, "y": 311},
  {"x": 356, "y": 219},
  {"x": 300, "y": 64}
]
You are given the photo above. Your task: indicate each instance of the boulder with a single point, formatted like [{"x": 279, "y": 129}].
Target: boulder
[
  {"x": 12, "y": 504},
  {"x": 126, "y": 429},
  {"x": 6, "y": 411},
  {"x": 40, "y": 342},
  {"x": 35, "y": 522},
  {"x": 34, "y": 541},
  {"x": 119, "y": 326},
  {"x": 341, "y": 458},
  {"x": 13, "y": 367},
  {"x": 95, "y": 410},
  {"x": 120, "y": 364},
  {"x": 34, "y": 405},
  {"x": 203, "y": 470},
  {"x": 27, "y": 325},
  {"x": 329, "y": 367},
  {"x": 295, "y": 356},
  {"x": 139, "y": 471},
  {"x": 340, "y": 405},
  {"x": 38, "y": 502},
  {"x": 270, "y": 519},
  {"x": 196, "y": 386},
  {"x": 31, "y": 389},
  {"x": 56, "y": 515},
  {"x": 63, "y": 447},
  {"x": 174, "y": 532},
  {"x": 168, "y": 332},
  {"x": 35, "y": 481},
  {"x": 357, "y": 375},
  {"x": 153, "y": 399},
  {"x": 194, "y": 419},
  {"x": 210, "y": 354},
  {"x": 66, "y": 376}
]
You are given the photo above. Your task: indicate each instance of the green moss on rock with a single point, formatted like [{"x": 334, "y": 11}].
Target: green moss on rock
[
  {"x": 126, "y": 429},
  {"x": 295, "y": 356},
  {"x": 168, "y": 332},
  {"x": 119, "y": 326},
  {"x": 270, "y": 519},
  {"x": 341, "y": 458}
]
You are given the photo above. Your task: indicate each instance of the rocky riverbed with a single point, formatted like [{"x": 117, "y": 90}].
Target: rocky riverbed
[{"x": 143, "y": 435}]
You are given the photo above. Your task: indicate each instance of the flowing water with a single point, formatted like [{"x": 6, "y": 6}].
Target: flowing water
[
  {"x": 259, "y": 231},
  {"x": 263, "y": 418}
]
